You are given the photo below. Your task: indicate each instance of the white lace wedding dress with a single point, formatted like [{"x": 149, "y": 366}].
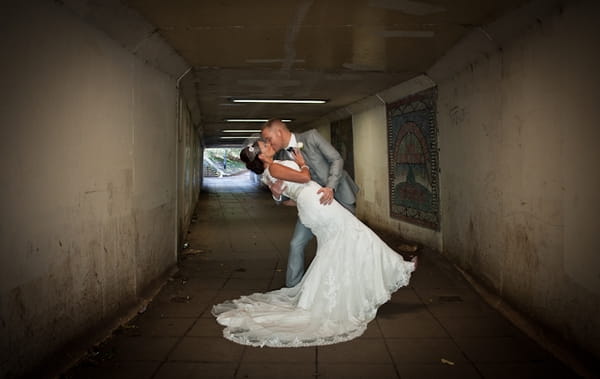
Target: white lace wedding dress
[{"x": 352, "y": 274}]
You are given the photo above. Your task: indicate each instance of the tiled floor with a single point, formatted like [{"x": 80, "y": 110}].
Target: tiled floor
[{"x": 438, "y": 327}]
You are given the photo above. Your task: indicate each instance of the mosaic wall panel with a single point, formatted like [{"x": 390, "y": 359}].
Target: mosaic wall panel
[{"x": 413, "y": 159}]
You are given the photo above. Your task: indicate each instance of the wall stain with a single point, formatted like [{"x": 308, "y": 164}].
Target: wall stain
[{"x": 457, "y": 115}]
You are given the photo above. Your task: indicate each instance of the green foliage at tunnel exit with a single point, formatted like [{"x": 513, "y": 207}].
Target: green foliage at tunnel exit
[{"x": 226, "y": 160}]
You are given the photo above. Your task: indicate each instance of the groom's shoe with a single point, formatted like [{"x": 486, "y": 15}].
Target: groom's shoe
[{"x": 415, "y": 261}]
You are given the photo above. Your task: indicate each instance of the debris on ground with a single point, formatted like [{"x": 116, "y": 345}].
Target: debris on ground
[
  {"x": 408, "y": 248},
  {"x": 193, "y": 251},
  {"x": 447, "y": 362},
  {"x": 128, "y": 330},
  {"x": 98, "y": 354},
  {"x": 188, "y": 251},
  {"x": 180, "y": 299},
  {"x": 143, "y": 309},
  {"x": 178, "y": 278}
]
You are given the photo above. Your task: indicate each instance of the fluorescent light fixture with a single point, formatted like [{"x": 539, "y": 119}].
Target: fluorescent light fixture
[
  {"x": 236, "y": 137},
  {"x": 240, "y": 131},
  {"x": 253, "y": 120},
  {"x": 281, "y": 101}
]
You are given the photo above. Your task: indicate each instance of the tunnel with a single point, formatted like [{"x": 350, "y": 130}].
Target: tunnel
[{"x": 468, "y": 128}]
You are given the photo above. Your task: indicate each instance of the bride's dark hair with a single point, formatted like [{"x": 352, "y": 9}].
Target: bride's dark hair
[{"x": 249, "y": 155}]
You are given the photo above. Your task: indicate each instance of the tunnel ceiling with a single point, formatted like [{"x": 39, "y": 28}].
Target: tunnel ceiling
[{"x": 339, "y": 50}]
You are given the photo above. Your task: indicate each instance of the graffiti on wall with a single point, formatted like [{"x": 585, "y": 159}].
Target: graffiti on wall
[{"x": 413, "y": 159}]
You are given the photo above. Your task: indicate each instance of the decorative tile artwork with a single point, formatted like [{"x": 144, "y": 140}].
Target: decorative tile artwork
[{"x": 413, "y": 159}]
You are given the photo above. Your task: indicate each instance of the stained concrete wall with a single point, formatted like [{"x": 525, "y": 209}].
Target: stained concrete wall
[
  {"x": 324, "y": 128},
  {"x": 88, "y": 201},
  {"x": 189, "y": 169},
  {"x": 519, "y": 155}
]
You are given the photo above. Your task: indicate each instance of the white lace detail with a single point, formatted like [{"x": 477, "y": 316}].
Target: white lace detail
[
  {"x": 331, "y": 291},
  {"x": 296, "y": 342},
  {"x": 292, "y": 189}
]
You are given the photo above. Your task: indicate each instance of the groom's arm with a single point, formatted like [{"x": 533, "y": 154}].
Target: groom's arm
[
  {"x": 333, "y": 158},
  {"x": 277, "y": 189}
]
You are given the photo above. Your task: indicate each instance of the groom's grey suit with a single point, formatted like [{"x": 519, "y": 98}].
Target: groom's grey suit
[{"x": 327, "y": 169}]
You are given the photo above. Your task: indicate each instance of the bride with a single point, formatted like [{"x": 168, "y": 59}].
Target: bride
[{"x": 352, "y": 274}]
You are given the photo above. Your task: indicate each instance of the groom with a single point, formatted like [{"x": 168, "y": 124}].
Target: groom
[{"x": 326, "y": 168}]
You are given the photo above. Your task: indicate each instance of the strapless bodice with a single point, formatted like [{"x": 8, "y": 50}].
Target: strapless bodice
[{"x": 292, "y": 189}]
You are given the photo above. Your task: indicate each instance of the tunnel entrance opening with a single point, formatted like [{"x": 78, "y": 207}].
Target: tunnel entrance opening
[
  {"x": 225, "y": 172},
  {"x": 222, "y": 161}
]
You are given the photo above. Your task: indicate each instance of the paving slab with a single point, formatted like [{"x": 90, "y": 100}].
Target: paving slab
[
  {"x": 356, "y": 370},
  {"x": 424, "y": 350},
  {"x": 411, "y": 324},
  {"x": 113, "y": 370},
  {"x": 277, "y": 370},
  {"x": 438, "y": 370},
  {"x": 196, "y": 370},
  {"x": 282, "y": 355},
  {"x": 361, "y": 350},
  {"x": 206, "y": 349}
]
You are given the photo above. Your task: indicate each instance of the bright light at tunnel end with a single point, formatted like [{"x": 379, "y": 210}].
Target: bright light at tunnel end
[
  {"x": 240, "y": 131},
  {"x": 281, "y": 101},
  {"x": 253, "y": 120}
]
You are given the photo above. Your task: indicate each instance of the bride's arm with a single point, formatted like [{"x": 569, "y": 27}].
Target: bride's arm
[{"x": 282, "y": 172}]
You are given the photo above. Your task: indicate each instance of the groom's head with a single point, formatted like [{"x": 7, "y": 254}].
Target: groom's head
[{"x": 276, "y": 133}]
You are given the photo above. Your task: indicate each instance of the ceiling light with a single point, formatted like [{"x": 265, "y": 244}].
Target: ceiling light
[
  {"x": 281, "y": 101},
  {"x": 236, "y": 137},
  {"x": 253, "y": 120},
  {"x": 240, "y": 131}
]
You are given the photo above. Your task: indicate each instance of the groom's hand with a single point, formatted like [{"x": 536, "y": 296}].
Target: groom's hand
[
  {"x": 327, "y": 197},
  {"x": 277, "y": 189}
]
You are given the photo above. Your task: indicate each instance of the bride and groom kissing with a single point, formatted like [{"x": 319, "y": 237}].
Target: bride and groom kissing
[{"x": 353, "y": 272}]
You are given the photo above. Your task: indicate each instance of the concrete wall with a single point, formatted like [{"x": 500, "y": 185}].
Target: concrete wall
[
  {"x": 324, "y": 128},
  {"x": 88, "y": 200},
  {"x": 189, "y": 169},
  {"x": 519, "y": 153}
]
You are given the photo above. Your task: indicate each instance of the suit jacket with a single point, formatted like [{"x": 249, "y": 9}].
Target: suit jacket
[{"x": 326, "y": 165}]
